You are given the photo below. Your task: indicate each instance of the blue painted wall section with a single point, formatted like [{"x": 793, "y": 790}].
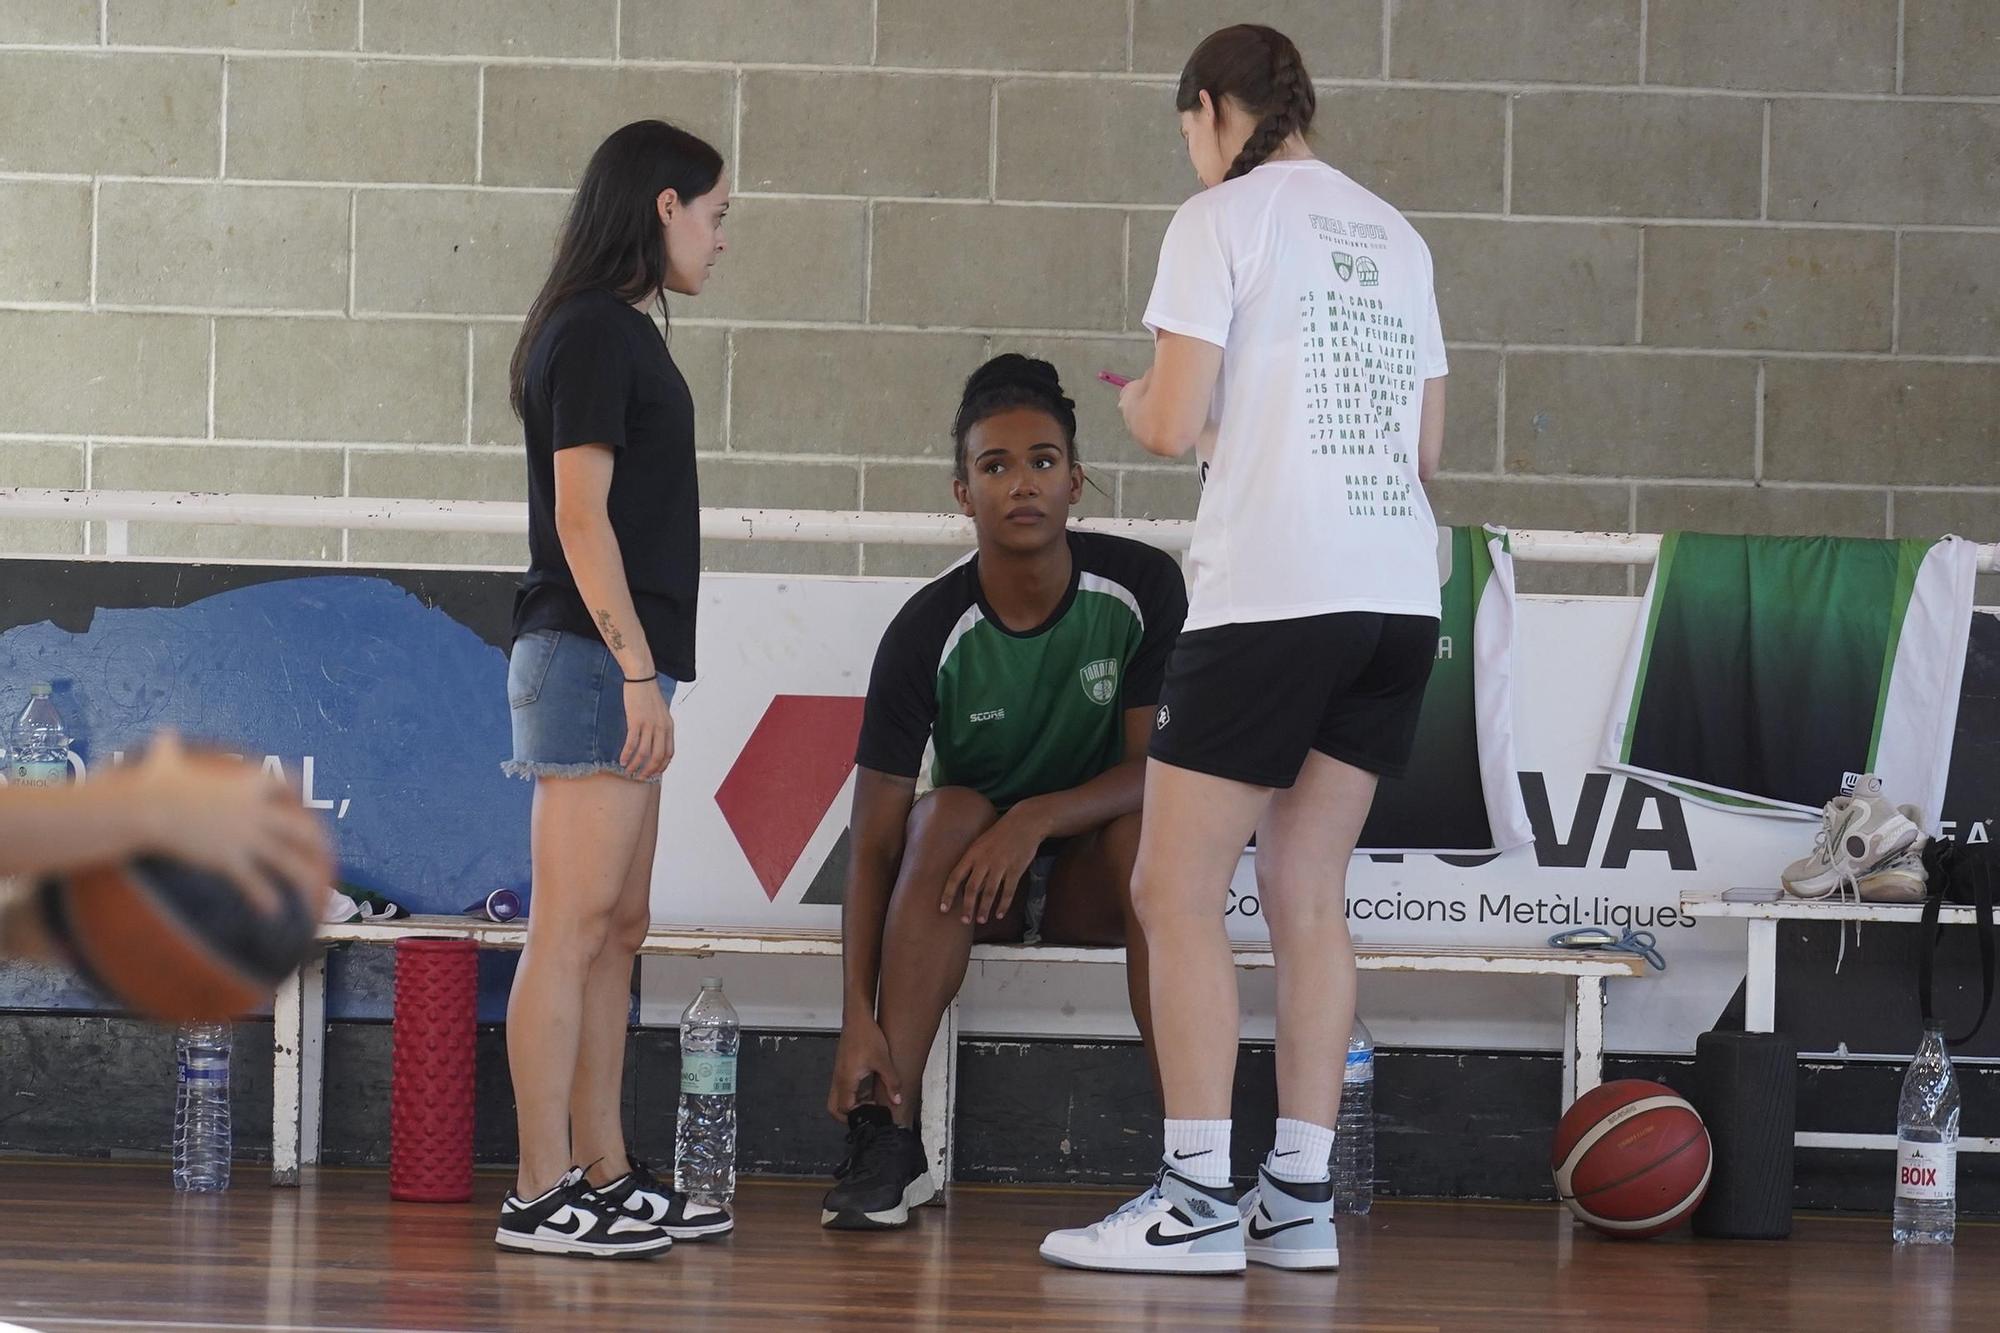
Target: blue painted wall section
[{"x": 383, "y": 693}]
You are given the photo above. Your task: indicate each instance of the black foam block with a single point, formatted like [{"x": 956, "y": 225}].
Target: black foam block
[{"x": 1746, "y": 1089}]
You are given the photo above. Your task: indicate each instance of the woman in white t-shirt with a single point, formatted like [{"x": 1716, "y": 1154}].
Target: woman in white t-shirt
[{"x": 1298, "y": 352}]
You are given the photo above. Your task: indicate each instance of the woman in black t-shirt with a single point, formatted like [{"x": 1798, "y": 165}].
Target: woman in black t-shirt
[{"x": 603, "y": 629}]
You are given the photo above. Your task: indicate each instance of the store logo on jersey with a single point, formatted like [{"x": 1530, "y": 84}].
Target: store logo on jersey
[
  {"x": 1343, "y": 264},
  {"x": 1371, "y": 276},
  {"x": 1100, "y": 680}
]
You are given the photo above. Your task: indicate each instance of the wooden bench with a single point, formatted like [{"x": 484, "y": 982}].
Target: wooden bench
[
  {"x": 300, "y": 1008},
  {"x": 1760, "y": 973}
]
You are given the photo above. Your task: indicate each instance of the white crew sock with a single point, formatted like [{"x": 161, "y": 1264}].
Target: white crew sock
[
  {"x": 1301, "y": 1152},
  {"x": 1199, "y": 1150}
]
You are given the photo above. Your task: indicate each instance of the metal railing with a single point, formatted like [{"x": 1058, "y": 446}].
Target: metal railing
[{"x": 117, "y": 510}]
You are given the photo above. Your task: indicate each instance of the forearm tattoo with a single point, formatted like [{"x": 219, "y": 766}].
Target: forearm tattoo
[{"x": 612, "y": 638}]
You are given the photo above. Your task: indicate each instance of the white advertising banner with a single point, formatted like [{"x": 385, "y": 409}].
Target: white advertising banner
[{"x": 754, "y": 812}]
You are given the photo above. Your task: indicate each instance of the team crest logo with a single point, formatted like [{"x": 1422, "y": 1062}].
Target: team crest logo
[
  {"x": 1343, "y": 264},
  {"x": 1371, "y": 276},
  {"x": 1100, "y": 680}
]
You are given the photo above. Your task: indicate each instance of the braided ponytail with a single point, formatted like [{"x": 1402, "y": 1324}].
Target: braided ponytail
[{"x": 1263, "y": 71}]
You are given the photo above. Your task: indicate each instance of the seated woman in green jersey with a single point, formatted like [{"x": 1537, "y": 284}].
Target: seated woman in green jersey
[{"x": 1029, "y": 672}]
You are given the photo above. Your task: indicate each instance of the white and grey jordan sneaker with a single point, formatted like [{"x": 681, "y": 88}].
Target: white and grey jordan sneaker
[
  {"x": 571, "y": 1219},
  {"x": 1176, "y": 1226},
  {"x": 1290, "y": 1225},
  {"x": 1857, "y": 834},
  {"x": 642, "y": 1195}
]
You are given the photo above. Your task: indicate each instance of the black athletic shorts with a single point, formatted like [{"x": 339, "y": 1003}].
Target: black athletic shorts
[{"x": 1247, "y": 701}]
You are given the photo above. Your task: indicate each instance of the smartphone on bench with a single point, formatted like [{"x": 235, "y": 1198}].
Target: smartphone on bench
[{"x": 1751, "y": 895}]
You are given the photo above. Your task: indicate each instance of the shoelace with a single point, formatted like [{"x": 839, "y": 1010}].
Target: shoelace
[
  {"x": 1142, "y": 1200},
  {"x": 1833, "y": 826},
  {"x": 643, "y": 1177},
  {"x": 572, "y": 1189},
  {"x": 869, "y": 1147},
  {"x": 585, "y": 1193},
  {"x": 1834, "y": 823}
]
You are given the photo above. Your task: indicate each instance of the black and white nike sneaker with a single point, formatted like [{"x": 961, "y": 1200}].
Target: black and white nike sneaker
[
  {"x": 638, "y": 1194},
  {"x": 571, "y": 1219},
  {"x": 886, "y": 1174},
  {"x": 1177, "y": 1226}
]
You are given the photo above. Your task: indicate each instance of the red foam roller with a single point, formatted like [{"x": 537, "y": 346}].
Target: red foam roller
[{"x": 431, "y": 1078}]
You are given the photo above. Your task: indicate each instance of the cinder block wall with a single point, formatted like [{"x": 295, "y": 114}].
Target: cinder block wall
[{"x": 1727, "y": 264}]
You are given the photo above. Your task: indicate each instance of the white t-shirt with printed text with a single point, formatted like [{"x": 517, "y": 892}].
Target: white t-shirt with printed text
[{"x": 1321, "y": 296}]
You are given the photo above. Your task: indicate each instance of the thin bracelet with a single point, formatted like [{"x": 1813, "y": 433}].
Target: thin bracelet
[{"x": 643, "y": 680}]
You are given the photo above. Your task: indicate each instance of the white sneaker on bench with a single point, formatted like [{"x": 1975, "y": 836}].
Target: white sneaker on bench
[{"x": 1857, "y": 835}]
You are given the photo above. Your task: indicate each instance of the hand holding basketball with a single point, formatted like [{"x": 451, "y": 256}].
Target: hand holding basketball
[
  {"x": 220, "y": 901},
  {"x": 226, "y": 816}
]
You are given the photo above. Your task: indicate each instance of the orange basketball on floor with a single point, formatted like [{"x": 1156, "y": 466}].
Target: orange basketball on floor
[{"x": 1631, "y": 1158}]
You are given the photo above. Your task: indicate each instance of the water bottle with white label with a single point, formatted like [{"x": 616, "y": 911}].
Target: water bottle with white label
[
  {"x": 201, "y": 1108},
  {"x": 40, "y": 745},
  {"x": 1927, "y": 1147},
  {"x": 1354, "y": 1132},
  {"x": 705, "y": 1132}
]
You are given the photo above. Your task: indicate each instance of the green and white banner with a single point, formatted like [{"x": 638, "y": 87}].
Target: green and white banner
[
  {"x": 1766, "y": 673},
  {"x": 1462, "y": 795}
]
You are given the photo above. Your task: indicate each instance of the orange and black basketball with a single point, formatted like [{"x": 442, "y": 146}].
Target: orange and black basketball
[{"x": 175, "y": 942}]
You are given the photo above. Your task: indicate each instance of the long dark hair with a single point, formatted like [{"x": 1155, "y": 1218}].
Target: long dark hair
[
  {"x": 1008, "y": 381},
  {"x": 1261, "y": 69},
  {"x": 611, "y": 240}
]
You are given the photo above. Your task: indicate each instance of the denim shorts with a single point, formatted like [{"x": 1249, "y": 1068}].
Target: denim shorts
[{"x": 567, "y": 696}]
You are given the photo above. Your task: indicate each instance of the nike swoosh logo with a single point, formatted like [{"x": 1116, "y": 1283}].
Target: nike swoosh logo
[
  {"x": 648, "y": 1207},
  {"x": 1293, "y": 1153},
  {"x": 1183, "y": 1156},
  {"x": 1154, "y": 1236},
  {"x": 582, "y": 1224},
  {"x": 1259, "y": 1233}
]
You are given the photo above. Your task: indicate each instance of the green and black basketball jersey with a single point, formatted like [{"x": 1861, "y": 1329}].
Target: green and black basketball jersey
[{"x": 1013, "y": 715}]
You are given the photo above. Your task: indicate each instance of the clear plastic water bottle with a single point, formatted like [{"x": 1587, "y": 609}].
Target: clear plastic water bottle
[
  {"x": 201, "y": 1108},
  {"x": 1927, "y": 1147},
  {"x": 1354, "y": 1133},
  {"x": 40, "y": 746},
  {"x": 705, "y": 1132}
]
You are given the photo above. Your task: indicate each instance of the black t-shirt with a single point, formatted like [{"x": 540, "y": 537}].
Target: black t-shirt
[{"x": 599, "y": 373}]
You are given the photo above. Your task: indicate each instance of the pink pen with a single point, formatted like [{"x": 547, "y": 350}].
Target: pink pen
[{"x": 1113, "y": 378}]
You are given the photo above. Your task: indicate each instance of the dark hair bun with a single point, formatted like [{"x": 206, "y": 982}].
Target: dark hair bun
[
  {"x": 1008, "y": 381},
  {"x": 1013, "y": 370}
]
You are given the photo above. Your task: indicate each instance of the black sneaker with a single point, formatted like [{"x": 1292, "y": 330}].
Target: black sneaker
[
  {"x": 570, "y": 1219},
  {"x": 638, "y": 1194},
  {"x": 886, "y": 1174}
]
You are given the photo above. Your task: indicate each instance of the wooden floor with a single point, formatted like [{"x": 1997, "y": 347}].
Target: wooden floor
[{"x": 87, "y": 1246}]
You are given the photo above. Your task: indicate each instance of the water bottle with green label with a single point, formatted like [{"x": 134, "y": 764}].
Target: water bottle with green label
[{"x": 705, "y": 1132}]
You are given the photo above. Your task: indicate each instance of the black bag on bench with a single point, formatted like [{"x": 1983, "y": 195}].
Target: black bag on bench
[{"x": 1963, "y": 874}]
